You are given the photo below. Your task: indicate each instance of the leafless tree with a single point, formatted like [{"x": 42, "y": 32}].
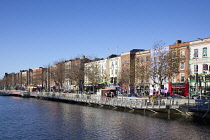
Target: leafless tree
[
  {"x": 47, "y": 77},
  {"x": 163, "y": 64},
  {"x": 142, "y": 72},
  {"x": 44, "y": 78},
  {"x": 76, "y": 72},
  {"x": 8, "y": 81},
  {"x": 93, "y": 73},
  {"x": 38, "y": 77},
  {"x": 58, "y": 74},
  {"x": 124, "y": 78},
  {"x": 1, "y": 84}
]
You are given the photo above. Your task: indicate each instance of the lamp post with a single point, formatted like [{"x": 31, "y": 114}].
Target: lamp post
[
  {"x": 204, "y": 79},
  {"x": 196, "y": 74}
]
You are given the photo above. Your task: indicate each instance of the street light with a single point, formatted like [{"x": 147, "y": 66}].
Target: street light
[{"x": 196, "y": 75}]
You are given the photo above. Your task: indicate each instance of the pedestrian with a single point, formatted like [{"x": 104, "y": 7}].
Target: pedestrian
[
  {"x": 112, "y": 94},
  {"x": 168, "y": 93}
]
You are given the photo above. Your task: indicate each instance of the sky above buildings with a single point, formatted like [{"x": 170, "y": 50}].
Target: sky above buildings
[{"x": 35, "y": 33}]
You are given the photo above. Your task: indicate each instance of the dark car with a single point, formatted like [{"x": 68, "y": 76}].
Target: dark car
[
  {"x": 133, "y": 95},
  {"x": 67, "y": 91},
  {"x": 176, "y": 97},
  {"x": 203, "y": 97},
  {"x": 195, "y": 96}
]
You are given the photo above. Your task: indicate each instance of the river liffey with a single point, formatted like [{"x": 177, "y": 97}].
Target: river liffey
[{"x": 35, "y": 119}]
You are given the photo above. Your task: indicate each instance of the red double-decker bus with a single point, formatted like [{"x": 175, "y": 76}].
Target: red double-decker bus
[{"x": 179, "y": 88}]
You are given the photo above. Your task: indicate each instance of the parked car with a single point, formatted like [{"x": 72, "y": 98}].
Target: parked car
[
  {"x": 67, "y": 91},
  {"x": 122, "y": 95},
  {"x": 195, "y": 96},
  {"x": 119, "y": 93},
  {"x": 176, "y": 97},
  {"x": 203, "y": 97},
  {"x": 133, "y": 95},
  {"x": 208, "y": 92}
]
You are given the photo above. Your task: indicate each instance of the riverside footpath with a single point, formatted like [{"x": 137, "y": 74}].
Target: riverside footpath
[{"x": 186, "y": 107}]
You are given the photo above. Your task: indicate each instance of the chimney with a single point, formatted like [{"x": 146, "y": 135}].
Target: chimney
[
  {"x": 83, "y": 57},
  {"x": 178, "y": 41}
]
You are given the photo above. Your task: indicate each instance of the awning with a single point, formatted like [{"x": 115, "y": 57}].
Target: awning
[
  {"x": 114, "y": 85},
  {"x": 30, "y": 86},
  {"x": 102, "y": 82},
  {"x": 110, "y": 88},
  {"x": 86, "y": 83}
]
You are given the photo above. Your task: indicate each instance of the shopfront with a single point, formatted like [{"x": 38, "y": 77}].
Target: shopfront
[
  {"x": 107, "y": 91},
  {"x": 203, "y": 84},
  {"x": 142, "y": 89},
  {"x": 179, "y": 88}
]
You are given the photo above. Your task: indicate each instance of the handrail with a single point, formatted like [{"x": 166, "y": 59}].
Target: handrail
[
  {"x": 116, "y": 101},
  {"x": 128, "y": 102}
]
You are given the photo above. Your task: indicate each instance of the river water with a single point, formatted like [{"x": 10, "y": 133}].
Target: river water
[{"x": 36, "y": 119}]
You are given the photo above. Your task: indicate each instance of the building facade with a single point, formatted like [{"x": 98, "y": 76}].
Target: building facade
[
  {"x": 127, "y": 72},
  {"x": 200, "y": 66},
  {"x": 137, "y": 71},
  {"x": 114, "y": 66},
  {"x": 178, "y": 84},
  {"x": 142, "y": 79}
]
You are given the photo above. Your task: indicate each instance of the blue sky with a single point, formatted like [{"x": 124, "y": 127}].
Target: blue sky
[{"x": 35, "y": 33}]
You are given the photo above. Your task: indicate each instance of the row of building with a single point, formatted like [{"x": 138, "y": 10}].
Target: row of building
[{"x": 127, "y": 72}]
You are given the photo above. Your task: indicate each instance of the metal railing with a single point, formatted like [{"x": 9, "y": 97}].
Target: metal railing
[
  {"x": 127, "y": 102},
  {"x": 135, "y": 103}
]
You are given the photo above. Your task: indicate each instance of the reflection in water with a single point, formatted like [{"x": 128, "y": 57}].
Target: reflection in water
[{"x": 40, "y": 119}]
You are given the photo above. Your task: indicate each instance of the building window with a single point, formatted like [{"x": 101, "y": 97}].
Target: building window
[
  {"x": 174, "y": 54},
  {"x": 195, "y": 52},
  {"x": 182, "y": 66},
  {"x": 164, "y": 57},
  {"x": 112, "y": 63},
  {"x": 115, "y": 80},
  {"x": 111, "y": 80},
  {"x": 205, "y": 52},
  {"x": 174, "y": 78},
  {"x": 182, "y": 77},
  {"x": 116, "y": 63},
  {"x": 174, "y": 65},
  {"x": 147, "y": 58},
  {"x": 115, "y": 71},
  {"x": 142, "y": 59},
  {"x": 182, "y": 53},
  {"x": 112, "y": 71},
  {"x": 137, "y": 60},
  {"x": 205, "y": 67},
  {"x": 155, "y": 59},
  {"x": 160, "y": 58},
  {"x": 195, "y": 68}
]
